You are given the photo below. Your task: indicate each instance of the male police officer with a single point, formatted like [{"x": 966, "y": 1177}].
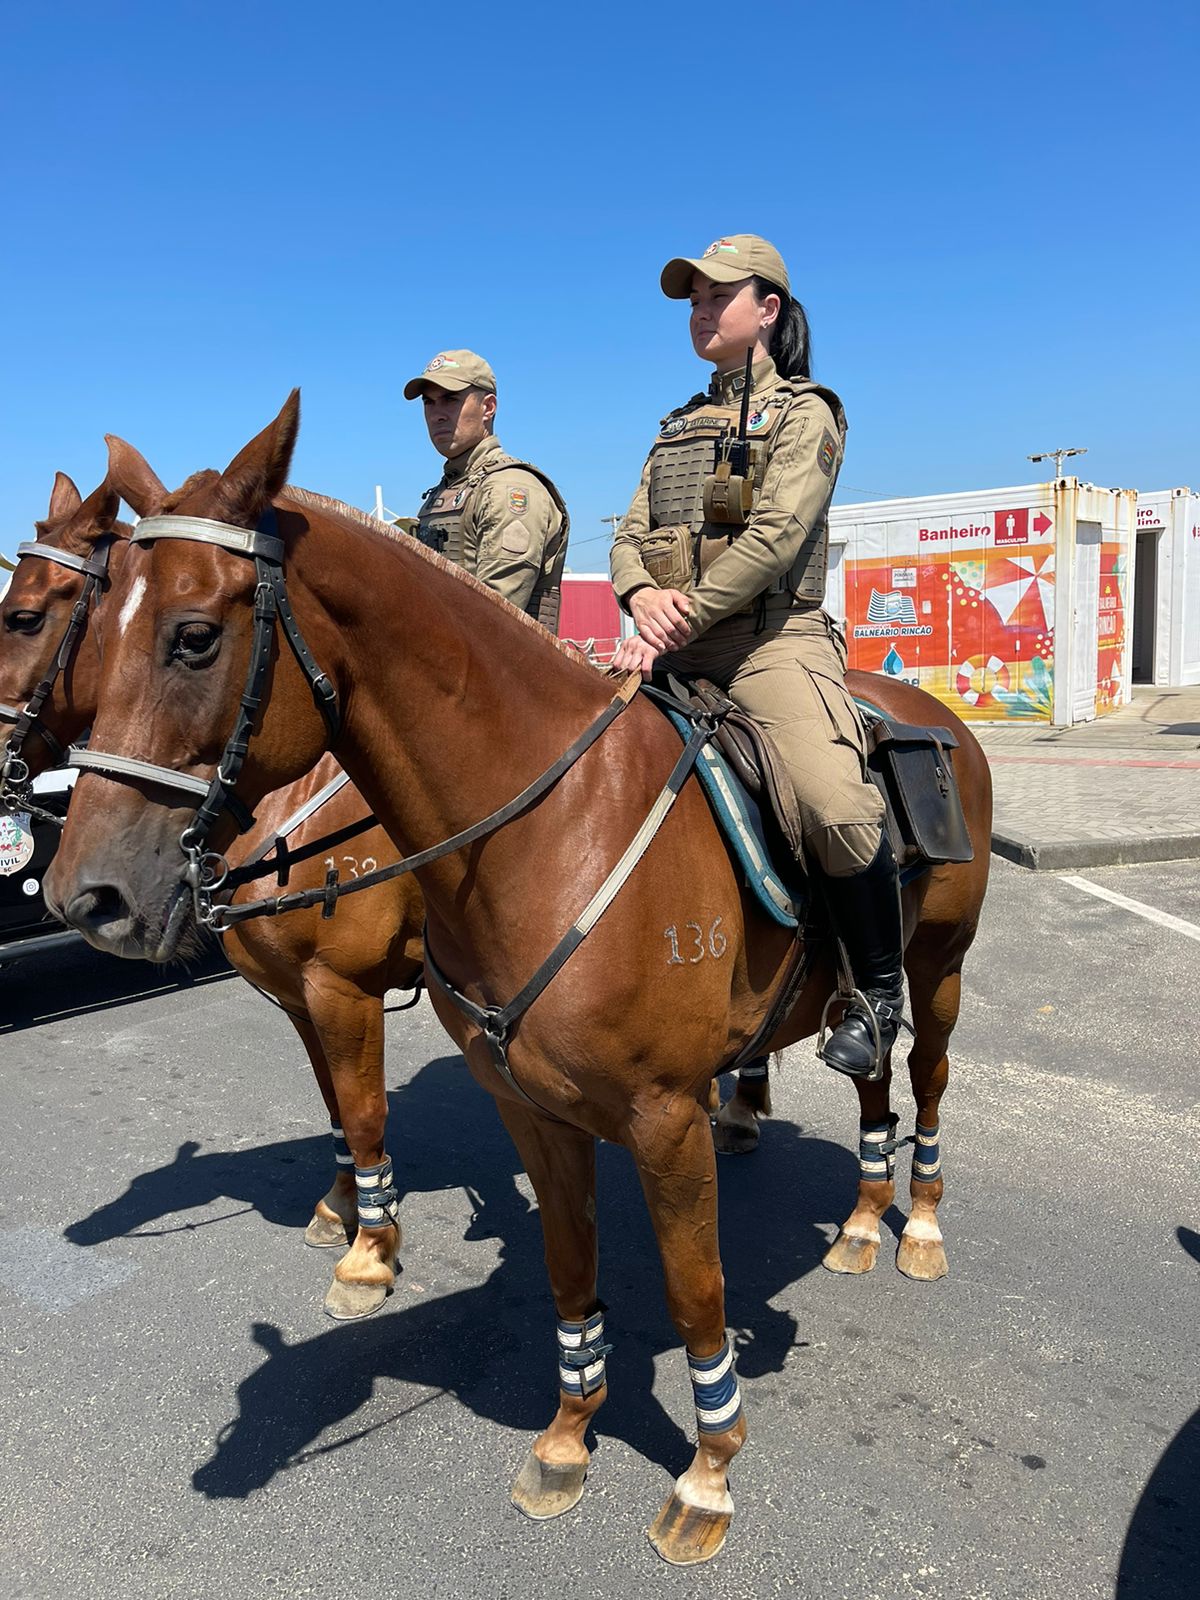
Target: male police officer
[{"x": 493, "y": 514}]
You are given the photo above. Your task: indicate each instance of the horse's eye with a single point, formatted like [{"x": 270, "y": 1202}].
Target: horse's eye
[
  {"x": 196, "y": 643},
  {"x": 24, "y": 621}
]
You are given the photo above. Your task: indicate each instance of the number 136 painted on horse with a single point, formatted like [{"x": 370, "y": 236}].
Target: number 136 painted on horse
[{"x": 450, "y": 704}]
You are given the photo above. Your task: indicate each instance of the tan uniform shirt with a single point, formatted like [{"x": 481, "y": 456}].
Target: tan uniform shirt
[
  {"x": 791, "y": 500},
  {"x": 509, "y": 522}
]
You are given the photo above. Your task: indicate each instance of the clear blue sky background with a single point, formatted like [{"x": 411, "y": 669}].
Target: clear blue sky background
[{"x": 990, "y": 211}]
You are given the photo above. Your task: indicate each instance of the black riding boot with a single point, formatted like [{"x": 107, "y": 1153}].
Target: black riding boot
[{"x": 866, "y": 917}]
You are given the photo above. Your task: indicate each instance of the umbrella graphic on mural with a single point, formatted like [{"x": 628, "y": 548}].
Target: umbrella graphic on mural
[{"x": 1020, "y": 589}]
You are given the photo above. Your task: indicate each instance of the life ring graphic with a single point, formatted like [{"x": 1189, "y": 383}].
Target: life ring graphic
[{"x": 977, "y": 680}]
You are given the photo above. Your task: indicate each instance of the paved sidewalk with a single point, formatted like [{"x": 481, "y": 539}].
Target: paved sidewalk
[{"x": 1119, "y": 790}]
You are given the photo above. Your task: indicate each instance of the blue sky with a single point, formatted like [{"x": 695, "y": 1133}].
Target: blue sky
[{"x": 989, "y": 210}]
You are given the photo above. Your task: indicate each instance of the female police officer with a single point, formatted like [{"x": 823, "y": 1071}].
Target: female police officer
[{"x": 724, "y": 573}]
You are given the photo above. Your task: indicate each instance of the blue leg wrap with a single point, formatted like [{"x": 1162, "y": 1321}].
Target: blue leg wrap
[
  {"x": 378, "y": 1202},
  {"x": 927, "y": 1157},
  {"x": 715, "y": 1390},
  {"x": 877, "y": 1151},
  {"x": 341, "y": 1150},
  {"x": 581, "y": 1353}
]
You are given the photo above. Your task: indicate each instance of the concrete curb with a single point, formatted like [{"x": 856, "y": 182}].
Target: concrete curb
[{"x": 1057, "y": 855}]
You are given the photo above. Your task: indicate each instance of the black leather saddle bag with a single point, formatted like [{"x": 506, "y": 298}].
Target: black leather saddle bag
[{"x": 913, "y": 770}]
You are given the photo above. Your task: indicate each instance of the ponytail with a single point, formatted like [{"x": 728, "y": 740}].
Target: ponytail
[{"x": 791, "y": 342}]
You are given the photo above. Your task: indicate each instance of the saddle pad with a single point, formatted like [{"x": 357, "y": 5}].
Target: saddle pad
[{"x": 741, "y": 822}]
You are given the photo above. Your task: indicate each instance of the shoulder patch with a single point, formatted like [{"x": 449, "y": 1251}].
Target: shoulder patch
[
  {"x": 518, "y": 501},
  {"x": 827, "y": 454}
]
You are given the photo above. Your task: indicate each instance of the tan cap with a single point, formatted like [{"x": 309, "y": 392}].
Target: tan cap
[
  {"x": 454, "y": 370},
  {"x": 741, "y": 255}
]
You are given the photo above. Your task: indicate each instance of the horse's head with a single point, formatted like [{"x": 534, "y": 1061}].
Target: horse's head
[
  {"x": 38, "y": 643},
  {"x": 176, "y": 640}
]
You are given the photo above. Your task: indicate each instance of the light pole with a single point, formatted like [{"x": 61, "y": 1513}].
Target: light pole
[
  {"x": 615, "y": 521},
  {"x": 1058, "y": 457}
]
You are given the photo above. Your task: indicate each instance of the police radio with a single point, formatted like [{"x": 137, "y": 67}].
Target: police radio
[{"x": 729, "y": 491}]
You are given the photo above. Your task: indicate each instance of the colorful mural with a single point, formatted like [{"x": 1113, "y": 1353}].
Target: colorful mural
[
  {"x": 1110, "y": 633},
  {"x": 968, "y": 615}
]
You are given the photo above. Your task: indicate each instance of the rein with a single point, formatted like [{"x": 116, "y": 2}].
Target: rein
[{"x": 14, "y": 770}]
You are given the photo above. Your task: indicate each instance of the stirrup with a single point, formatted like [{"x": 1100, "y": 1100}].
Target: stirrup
[{"x": 847, "y": 994}]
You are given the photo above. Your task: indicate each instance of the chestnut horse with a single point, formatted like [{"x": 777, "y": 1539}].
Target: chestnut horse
[
  {"x": 443, "y": 703},
  {"x": 329, "y": 977}
]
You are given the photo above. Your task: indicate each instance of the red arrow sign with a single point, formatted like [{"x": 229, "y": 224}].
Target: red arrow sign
[{"x": 1041, "y": 522}]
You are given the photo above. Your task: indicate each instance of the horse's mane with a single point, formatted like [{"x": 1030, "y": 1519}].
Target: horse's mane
[{"x": 384, "y": 530}]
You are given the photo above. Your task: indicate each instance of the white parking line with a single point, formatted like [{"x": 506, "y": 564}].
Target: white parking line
[{"x": 1138, "y": 907}]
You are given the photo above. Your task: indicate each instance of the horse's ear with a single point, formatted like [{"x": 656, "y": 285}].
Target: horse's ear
[
  {"x": 131, "y": 475},
  {"x": 94, "y": 519},
  {"x": 65, "y": 498},
  {"x": 256, "y": 474}
]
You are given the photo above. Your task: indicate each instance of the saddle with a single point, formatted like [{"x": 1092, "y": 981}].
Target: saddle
[{"x": 912, "y": 767}]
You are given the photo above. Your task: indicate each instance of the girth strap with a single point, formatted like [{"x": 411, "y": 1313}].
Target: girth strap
[{"x": 496, "y": 1022}]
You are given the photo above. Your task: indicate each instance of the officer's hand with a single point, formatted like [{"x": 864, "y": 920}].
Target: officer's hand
[
  {"x": 636, "y": 655},
  {"x": 662, "y": 617}
]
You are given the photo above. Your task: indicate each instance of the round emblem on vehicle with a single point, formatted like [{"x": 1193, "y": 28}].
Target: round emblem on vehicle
[{"x": 16, "y": 842}]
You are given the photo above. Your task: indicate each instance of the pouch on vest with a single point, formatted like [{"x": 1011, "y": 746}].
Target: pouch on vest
[{"x": 666, "y": 555}]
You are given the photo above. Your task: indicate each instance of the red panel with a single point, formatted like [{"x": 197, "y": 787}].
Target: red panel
[{"x": 590, "y": 615}]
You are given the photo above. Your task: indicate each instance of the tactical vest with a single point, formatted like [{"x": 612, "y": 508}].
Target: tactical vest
[
  {"x": 441, "y": 525},
  {"x": 681, "y": 544}
]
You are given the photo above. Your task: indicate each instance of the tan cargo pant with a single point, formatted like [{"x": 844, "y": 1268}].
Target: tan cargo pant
[{"x": 789, "y": 678}]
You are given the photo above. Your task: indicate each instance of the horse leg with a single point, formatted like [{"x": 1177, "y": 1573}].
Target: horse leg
[
  {"x": 857, "y": 1245},
  {"x": 349, "y": 1024},
  {"x": 735, "y": 1131},
  {"x": 561, "y": 1163},
  {"x": 677, "y": 1166},
  {"x": 334, "y": 1221},
  {"x": 935, "y": 1003}
]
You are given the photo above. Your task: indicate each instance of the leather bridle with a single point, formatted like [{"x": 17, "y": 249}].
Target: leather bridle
[
  {"x": 207, "y": 870},
  {"x": 14, "y": 770}
]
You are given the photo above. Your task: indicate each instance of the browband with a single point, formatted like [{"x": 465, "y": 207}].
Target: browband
[
  {"x": 66, "y": 558},
  {"x": 202, "y": 530}
]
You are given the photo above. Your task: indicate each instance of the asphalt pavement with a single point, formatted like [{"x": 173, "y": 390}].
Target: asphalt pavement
[{"x": 181, "y": 1422}]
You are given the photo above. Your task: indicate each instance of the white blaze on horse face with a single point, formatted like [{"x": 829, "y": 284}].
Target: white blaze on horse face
[{"x": 132, "y": 601}]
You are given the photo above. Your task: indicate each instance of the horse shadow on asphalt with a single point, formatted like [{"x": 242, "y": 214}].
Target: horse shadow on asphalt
[
  {"x": 491, "y": 1345},
  {"x": 1161, "y": 1555}
]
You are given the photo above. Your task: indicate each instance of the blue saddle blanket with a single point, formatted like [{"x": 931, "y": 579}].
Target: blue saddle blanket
[{"x": 741, "y": 822}]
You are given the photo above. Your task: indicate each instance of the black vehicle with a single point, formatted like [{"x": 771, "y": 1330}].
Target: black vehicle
[{"x": 25, "y": 927}]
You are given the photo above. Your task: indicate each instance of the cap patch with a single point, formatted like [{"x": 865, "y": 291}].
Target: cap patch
[
  {"x": 827, "y": 454},
  {"x": 440, "y": 361},
  {"x": 720, "y": 247},
  {"x": 518, "y": 500}
]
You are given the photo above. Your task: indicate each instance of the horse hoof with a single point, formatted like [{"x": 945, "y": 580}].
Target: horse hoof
[
  {"x": 327, "y": 1233},
  {"x": 545, "y": 1489},
  {"x": 923, "y": 1259},
  {"x": 685, "y": 1535},
  {"x": 852, "y": 1254},
  {"x": 735, "y": 1138},
  {"x": 350, "y": 1302}
]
